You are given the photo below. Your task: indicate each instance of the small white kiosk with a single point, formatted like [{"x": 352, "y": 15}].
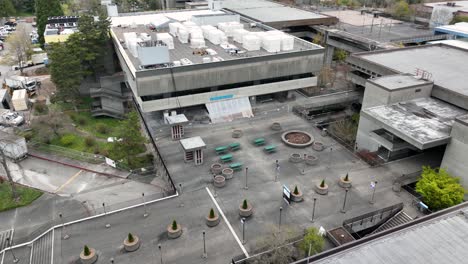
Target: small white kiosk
[
  {"x": 177, "y": 123},
  {"x": 193, "y": 148}
]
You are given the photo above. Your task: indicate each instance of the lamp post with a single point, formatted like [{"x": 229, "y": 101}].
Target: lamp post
[
  {"x": 279, "y": 223},
  {"x": 277, "y": 171},
  {"x": 243, "y": 230},
  {"x": 145, "y": 214},
  {"x": 204, "y": 246},
  {"x": 180, "y": 195},
  {"x": 160, "y": 253},
  {"x": 374, "y": 186},
  {"x": 313, "y": 210},
  {"x": 9, "y": 242},
  {"x": 65, "y": 236},
  {"x": 246, "y": 170},
  {"x": 105, "y": 215},
  {"x": 344, "y": 202}
]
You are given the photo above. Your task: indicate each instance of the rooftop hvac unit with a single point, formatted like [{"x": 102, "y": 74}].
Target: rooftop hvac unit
[
  {"x": 251, "y": 42},
  {"x": 186, "y": 61},
  {"x": 229, "y": 27},
  {"x": 174, "y": 27},
  {"x": 145, "y": 36},
  {"x": 271, "y": 43},
  {"x": 177, "y": 63},
  {"x": 206, "y": 59},
  {"x": 153, "y": 53},
  {"x": 197, "y": 43},
  {"x": 287, "y": 42},
  {"x": 167, "y": 39},
  {"x": 216, "y": 36},
  {"x": 239, "y": 34},
  {"x": 183, "y": 36}
]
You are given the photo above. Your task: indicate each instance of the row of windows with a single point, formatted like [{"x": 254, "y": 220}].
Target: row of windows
[{"x": 225, "y": 87}]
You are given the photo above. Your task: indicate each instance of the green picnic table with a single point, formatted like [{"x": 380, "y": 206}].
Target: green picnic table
[
  {"x": 259, "y": 141},
  {"x": 270, "y": 148},
  {"x": 236, "y": 166},
  {"x": 234, "y": 146},
  {"x": 226, "y": 158},
  {"x": 221, "y": 149}
]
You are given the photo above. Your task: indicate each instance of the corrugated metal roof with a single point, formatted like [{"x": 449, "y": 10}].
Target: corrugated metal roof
[{"x": 442, "y": 240}]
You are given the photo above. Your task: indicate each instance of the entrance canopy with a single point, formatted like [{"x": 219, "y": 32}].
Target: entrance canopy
[{"x": 228, "y": 110}]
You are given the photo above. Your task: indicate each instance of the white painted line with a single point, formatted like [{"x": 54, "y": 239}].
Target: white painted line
[
  {"x": 3, "y": 256},
  {"x": 32, "y": 250},
  {"x": 228, "y": 224},
  {"x": 52, "y": 250}
]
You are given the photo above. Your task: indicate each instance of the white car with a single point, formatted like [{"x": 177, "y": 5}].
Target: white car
[{"x": 10, "y": 118}]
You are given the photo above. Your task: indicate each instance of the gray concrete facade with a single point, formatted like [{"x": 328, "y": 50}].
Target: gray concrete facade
[{"x": 454, "y": 160}]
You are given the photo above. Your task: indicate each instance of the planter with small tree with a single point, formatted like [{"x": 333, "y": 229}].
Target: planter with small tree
[
  {"x": 88, "y": 255},
  {"x": 131, "y": 243},
  {"x": 245, "y": 209},
  {"x": 345, "y": 181},
  {"x": 296, "y": 195},
  {"x": 212, "y": 219},
  {"x": 174, "y": 230},
  {"x": 321, "y": 188}
]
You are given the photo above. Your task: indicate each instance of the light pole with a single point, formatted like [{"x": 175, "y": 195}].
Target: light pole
[
  {"x": 308, "y": 255},
  {"x": 9, "y": 242},
  {"x": 243, "y": 230},
  {"x": 105, "y": 215},
  {"x": 374, "y": 186},
  {"x": 204, "y": 246},
  {"x": 303, "y": 167},
  {"x": 112, "y": 260},
  {"x": 65, "y": 236},
  {"x": 145, "y": 214},
  {"x": 246, "y": 170},
  {"x": 180, "y": 195},
  {"x": 279, "y": 223},
  {"x": 277, "y": 171},
  {"x": 313, "y": 210},
  {"x": 344, "y": 202},
  {"x": 160, "y": 253}
]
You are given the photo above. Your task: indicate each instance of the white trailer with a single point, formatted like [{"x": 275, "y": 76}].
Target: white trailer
[
  {"x": 13, "y": 146},
  {"x": 38, "y": 58},
  {"x": 16, "y": 82}
]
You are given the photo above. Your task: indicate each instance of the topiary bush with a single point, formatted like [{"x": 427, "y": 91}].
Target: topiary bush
[
  {"x": 67, "y": 140},
  {"x": 86, "y": 251},
  {"x": 212, "y": 213},
  {"x": 130, "y": 238},
  {"x": 89, "y": 141},
  {"x": 296, "y": 191},
  {"x": 174, "y": 225},
  {"x": 346, "y": 178},
  {"x": 322, "y": 184},
  {"x": 245, "y": 205}
]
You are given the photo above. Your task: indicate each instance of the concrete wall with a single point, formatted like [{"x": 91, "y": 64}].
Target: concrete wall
[
  {"x": 202, "y": 98},
  {"x": 455, "y": 158},
  {"x": 160, "y": 81},
  {"x": 363, "y": 139}
]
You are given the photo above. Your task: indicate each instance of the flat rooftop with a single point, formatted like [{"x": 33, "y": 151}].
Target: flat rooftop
[
  {"x": 138, "y": 24},
  {"x": 357, "y": 19},
  {"x": 443, "y": 62},
  {"x": 460, "y": 29},
  {"x": 459, "y": 5},
  {"x": 398, "y": 81},
  {"x": 268, "y": 11},
  {"x": 423, "y": 122}
]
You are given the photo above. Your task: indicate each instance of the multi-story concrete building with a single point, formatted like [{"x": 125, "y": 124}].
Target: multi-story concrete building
[
  {"x": 415, "y": 100},
  {"x": 178, "y": 72}
]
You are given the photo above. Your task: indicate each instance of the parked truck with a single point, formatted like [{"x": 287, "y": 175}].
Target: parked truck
[
  {"x": 10, "y": 118},
  {"x": 38, "y": 58},
  {"x": 13, "y": 146},
  {"x": 16, "y": 82}
]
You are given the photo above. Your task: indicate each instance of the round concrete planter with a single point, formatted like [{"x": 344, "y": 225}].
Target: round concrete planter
[
  {"x": 317, "y": 146},
  {"x": 285, "y": 135},
  {"x": 237, "y": 133},
  {"x": 227, "y": 173},
  {"x": 219, "y": 181},
  {"x": 211, "y": 222},
  {"x": 311, "y": 160},
  {"x": 345, "y": 184},
  {"x": 245, "y": 212},
  {"x": 295, "y": 158},
  {"x": 90, "y": 259},
  {"x": 296, "y": 197},
  {"x": 130, "y": 247},
  {"x": 276, "y": 126},
  {"x": 173, "y": 234},
  {"x": 216, "y": 168},
  {"x": 321, "y": 190}
]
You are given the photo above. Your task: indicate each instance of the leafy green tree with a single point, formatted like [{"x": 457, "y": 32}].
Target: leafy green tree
[
  {"x": 130, "y": 141},
  {"x": 313, "y": 240},
  {"x": 458, "y": 19},
  {"x": 439, "y": 189},
  {"x": 45, "y": 9},
  {"x": 174, "y": 225},
  {"x": 86, "y": 251},
  {"x": 20, "y": 47},
  {"x": 26, "y": 6},
  {"x": 6, "y": 8},
  {"x": 401, "y": 9},
  {"x": 340, "y": 55}
]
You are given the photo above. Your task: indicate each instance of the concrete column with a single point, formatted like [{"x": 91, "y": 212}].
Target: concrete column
[{"x": 329, "y": 55}]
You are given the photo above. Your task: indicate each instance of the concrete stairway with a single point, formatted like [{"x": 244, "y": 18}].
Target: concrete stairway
[
  {"x": 42, "y": 249},
  {"x": 398, "y": 219},
  {"x": 3, "y": 238}
]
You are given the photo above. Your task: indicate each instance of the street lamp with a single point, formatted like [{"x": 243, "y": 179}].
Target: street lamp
[
  {"x": 204, "y": 246},
  {"x": 145, "y": 214},
  {"x": 279, "y": 224},
  {"x": 160, "y": 253},
  {"x": 374, "y": 186},
  {"x": 243, "y": 230},
  {"x": 105, "y": 215},
  {"x": 65, "y": 236},
  {"x": 277, "y": 171},
  {"x": 180, "y": 195},
  {"x": 313, "y": 210},
  {"x": 9, "y": 242},
  {"x": 246, "y": 170},
  {"x": 344, "y": 201}
]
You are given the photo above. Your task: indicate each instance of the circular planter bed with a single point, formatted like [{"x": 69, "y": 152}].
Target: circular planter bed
[
  {"x": 295, "y": 158},
  {"x": 276, "y": 126},
  {"x": 172, "y": 234},
  {"x": 317, "y": 146},
  {"x": 216, "y": 168},
  {"x": 245, "y": 212},
  {"x": 311, "y": 160},
  {"x": 90, "y": 259},
  {"x": 321, "y": 190},
  {"x": 219, "y": 181},
  {"x": 237, "y": 133},
  {"x": 345, "y": 184},
  {"x": 132, "y": 246},
  {"x": 227, "y": 173},
  {"x": 211, "y": 222},
  {"x": 296, "y": 197},
  {"x": 297, "y": 138}
]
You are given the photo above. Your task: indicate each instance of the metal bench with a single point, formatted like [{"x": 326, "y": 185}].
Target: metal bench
[
  {"x": 236, "y": 166},
  {"x": 221, "y": 149},
  {"x": 259, "y": 141},
  {"x": 226, "y": 158},
  {"x": 234, "y": 146},
  {"x": 270, "y": 148}
]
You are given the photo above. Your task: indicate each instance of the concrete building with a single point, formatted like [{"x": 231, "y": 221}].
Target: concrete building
[
  {"x": 415, "y": 100},
  {"x": 441, "y": 13},
  {"x": 459, "y": 30},
  {"x": 227, "y": 74}
]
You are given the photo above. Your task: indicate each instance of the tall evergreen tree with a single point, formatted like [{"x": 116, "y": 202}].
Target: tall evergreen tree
[
  {"x": 6, "y": 8},
  {"x": 45, "y": 9}
]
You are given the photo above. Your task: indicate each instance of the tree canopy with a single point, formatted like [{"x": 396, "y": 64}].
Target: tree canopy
[
  {"x": 45, "y": 9},
  {"x": 457, "y": 19},
  {"x": 401, "y": 9},
  {"x": 6, "y": 8},
  {"x": 439, "y": 189},
  {"x": 312, "y": 239}
]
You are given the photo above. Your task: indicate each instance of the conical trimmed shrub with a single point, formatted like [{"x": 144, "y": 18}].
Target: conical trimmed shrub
[
  {"x": 212, "y": 213},
  {"x": 130, "y": 238},
  {"x": 86, "y": 251},
  {"x": 346, "y": 178},
  {"x": 245, "y": 205},
  {"x": 296, "y": 191},
  {"x": 322, "y": 184},
  {"x": 174, "y": 225}
]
